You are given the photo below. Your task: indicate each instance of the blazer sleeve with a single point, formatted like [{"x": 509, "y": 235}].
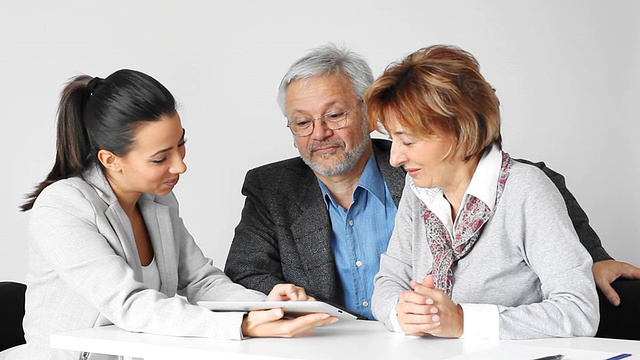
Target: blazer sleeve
[
  {"x": 254, "y": 257},
  {"x": 199, "y": 279},
  {"x": 579, "y": 218},
  {"x": 68, "y": 236}
]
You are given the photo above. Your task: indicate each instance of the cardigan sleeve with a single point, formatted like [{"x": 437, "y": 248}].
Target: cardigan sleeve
[{"x": 536, "y": 219}]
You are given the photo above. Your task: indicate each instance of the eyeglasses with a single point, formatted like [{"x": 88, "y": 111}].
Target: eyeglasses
[{"x": 304, "y": 126}]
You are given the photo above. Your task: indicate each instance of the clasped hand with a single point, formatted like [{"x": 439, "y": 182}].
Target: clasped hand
[
  {"x": 426, "y": 310},
  {"x": 271, "y": 323}
]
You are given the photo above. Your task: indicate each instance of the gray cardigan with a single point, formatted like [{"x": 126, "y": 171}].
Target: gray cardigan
[{"x": 528, "y": 261}]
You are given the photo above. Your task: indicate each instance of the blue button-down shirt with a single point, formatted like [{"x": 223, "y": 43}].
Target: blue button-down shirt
[{"x": 360, "y": 234}]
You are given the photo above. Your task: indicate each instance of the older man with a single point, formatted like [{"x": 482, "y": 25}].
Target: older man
[{"x": 322, "y": 220}]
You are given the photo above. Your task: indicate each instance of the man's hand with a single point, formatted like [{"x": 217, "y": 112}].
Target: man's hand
[
  {"x": 607, "y": 271},
  {"x": 288, "y": 292}
]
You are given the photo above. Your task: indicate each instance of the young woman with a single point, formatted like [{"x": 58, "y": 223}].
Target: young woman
[
  {"x": 482, "y": 245},
  {"x": 106, "y": 241}
]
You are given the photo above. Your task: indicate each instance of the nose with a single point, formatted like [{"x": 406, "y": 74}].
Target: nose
[
  {"x": 397, "y": 157},
  {"x": 178, "y": 166},
  {"x": 320, "y": 130}
]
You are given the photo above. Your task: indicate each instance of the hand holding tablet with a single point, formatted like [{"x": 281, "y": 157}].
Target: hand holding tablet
[{"x": 290, "y": 308}]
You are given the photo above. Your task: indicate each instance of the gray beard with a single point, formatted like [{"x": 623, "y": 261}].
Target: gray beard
[{"x": 349, "y": 161}]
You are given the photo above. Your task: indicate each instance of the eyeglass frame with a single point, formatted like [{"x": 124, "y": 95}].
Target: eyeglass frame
[{"x": 325, "y": 122}]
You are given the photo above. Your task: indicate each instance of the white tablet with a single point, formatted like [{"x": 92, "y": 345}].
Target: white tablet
[{"x": 291, "y": 308}]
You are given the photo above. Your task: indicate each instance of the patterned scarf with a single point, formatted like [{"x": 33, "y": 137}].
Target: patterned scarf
[{"x": 474, "y": 214}]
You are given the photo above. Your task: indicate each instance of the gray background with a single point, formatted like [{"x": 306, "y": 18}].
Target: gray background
[{"x": 567, "y": 74}]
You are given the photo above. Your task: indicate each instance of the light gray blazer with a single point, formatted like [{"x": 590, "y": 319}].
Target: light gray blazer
[{"x": 84, "y": 270}]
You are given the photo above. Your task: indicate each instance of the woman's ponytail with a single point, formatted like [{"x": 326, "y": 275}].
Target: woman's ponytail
[{"x": 73, "y": 151}]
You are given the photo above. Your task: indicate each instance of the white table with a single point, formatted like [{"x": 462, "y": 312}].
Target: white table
[{"x": 361, "y": 340}]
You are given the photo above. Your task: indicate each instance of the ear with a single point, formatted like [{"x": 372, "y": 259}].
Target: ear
[{"x": 108, "y": 159}]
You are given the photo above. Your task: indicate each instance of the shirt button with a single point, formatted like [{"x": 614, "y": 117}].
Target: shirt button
[
  {"x": 365, "y": 303},
  {"x": 358, "y": 263},
  {"x": 350, "y": 222}
]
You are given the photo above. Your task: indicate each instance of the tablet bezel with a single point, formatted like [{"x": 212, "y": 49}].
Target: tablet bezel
[{"x": 291, "y": 308}]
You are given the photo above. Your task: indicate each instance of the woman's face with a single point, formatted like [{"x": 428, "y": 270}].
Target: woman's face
[
  {"x": 155, "y": 161},
  {"x": 425, "y": 160}
]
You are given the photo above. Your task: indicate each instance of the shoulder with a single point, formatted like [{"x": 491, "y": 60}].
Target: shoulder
[
  {"x": 393, "y": 176},
  {"x": 528, "y": 175},
  {"x": 381, "y": 145},
  {"x": 528, "y": 183},
  {"x": 67, "y": 192},
  {"x": 65, "y": 200}
]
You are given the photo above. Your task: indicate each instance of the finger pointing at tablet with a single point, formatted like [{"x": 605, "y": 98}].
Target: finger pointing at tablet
[{"x": 288, "y": 292}]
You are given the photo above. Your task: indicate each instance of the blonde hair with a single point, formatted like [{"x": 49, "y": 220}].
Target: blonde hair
[{"x": 438, "y": 89}]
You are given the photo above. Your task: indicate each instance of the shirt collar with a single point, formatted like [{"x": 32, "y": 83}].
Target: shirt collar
[
  {"x": 483, "y": 184},
  {"x": 371, "y": 180}
]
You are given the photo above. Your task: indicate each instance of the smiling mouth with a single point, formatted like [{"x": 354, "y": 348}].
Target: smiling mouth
[
  {"x": 325, "y": 149},
  {"x": 412, "y": 171},
  {"x": 172, "y": 181}
]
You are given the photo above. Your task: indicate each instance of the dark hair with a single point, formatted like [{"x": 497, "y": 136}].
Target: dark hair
[{"x": 96, "y": 114}]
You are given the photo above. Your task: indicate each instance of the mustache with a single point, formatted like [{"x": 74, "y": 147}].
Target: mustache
[{"x": 330, "y": 142}]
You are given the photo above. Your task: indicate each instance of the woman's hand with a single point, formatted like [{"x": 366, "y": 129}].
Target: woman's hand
[
  {"x": 427, "y": 310},
  {"x": 450, "y": 318},
  {"x": 270, "y": 323},
  {"x": 288, "y": 292},
  {"x": 416, "y": 314}
]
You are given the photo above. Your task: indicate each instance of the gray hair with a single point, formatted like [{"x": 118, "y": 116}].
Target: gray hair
[{"x": 328, "y": 59}]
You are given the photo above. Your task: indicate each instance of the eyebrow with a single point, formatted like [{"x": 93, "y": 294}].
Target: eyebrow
[
  {"x": 326, "y": 106},
  {"x": 169, "y": 148}
]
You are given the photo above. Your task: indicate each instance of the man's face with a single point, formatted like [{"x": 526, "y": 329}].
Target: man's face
[{"x": 328, "y": 152}]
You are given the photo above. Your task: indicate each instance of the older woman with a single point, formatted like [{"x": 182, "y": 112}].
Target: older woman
[{"x": 482, "y": 245}]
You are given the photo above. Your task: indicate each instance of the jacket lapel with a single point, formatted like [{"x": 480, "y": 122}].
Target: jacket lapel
[
  {"x": 158, "y": 221},
  {"x": 122, "y": 227},
  {"x": 312, "y": 231},
  {"x": 124, "y": 243}
]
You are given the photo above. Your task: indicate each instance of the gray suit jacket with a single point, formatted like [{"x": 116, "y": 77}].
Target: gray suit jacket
[
  {"x": 84, "y": 270},
  {"x": 284, "y": 235}
]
